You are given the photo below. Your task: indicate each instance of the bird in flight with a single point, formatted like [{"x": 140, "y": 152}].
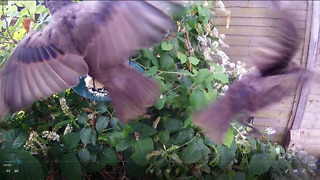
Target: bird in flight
[
  {"x": 91, "y": 37},
  {"x": 275, "y": 77}
]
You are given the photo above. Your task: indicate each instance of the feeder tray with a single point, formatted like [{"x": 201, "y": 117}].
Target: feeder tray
[{"x": 92, "y": 89}]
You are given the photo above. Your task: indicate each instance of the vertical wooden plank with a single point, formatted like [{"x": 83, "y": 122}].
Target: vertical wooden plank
[
  {"x": 313, "y": 46},
  {"x": 313, "y": 24}
]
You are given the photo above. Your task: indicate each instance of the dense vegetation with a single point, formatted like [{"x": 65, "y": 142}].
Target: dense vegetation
[{"x": 67, "y": 136}]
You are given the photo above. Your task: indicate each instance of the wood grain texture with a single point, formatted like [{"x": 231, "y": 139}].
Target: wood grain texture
[{"x": 262, "y": 4}]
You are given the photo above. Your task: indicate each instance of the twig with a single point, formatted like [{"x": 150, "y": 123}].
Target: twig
[
  {"x": 171, "y": 72},
  {"x": 172, "y": 90},
  {"x": 187, "y": 43},
  {"x": 85, "y": 173},
  {"x": 189, "y": 47},
  {"x": 7, "y": 42},
  {"x": 26, "y": 8},
  {"x": 7, "y": 26}
]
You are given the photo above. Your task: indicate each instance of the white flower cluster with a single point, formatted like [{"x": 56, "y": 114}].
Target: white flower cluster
[
  {"x": 210, "y": 44},
  {"x": 34, "y": 145},
  {"x": 64, "y": 106},
  {"x": 270, "y": 131},
  {"x": 241, "y": 135},
  {"x": 51, "y": 136},
  {"x": 210, "y": 47},
  {"x": 307, "y": 163},
  {"x": 68, "y": 129},
  {"x": 90, "y": 116}
]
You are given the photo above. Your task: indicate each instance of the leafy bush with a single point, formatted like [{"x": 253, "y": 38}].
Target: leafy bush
[{"x": 68, "y": 136}]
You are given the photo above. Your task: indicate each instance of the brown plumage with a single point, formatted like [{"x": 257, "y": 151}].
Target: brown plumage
[
  {"x": 26, "y": 23},
  {"x": 275, "y": 77},
  {"x": 94, "y": 38}
]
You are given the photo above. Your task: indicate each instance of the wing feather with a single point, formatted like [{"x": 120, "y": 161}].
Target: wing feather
[{"x": 36, "y": 69}]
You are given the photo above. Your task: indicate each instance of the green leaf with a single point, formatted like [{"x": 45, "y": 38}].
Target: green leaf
[
  {"x": 226, "y": 155},
  {"x": 166, "y": 62},
  {"x": 142, "y": 148},
  {"x": 152, "y": 71},
  {"x": 62, "y": 123},
  {"x": 82, "y": 118},
  {"x": 252, "y": 141},
  {"x": 259, "y": 164},
  {"x": 30, "y": 5},
  {"x": 71, "y": 140},
  {"x": 195, "y": 61},
  {"x": 95, "y": 167},
  {"x": 102, "y": 107},
  {"x": 171, "y": 98},
  {"x": 164, "y": 137},
  {"x": 29, "y": 167},
  {"x": 17, "y": 35},
  {"x": 272, "y": 152},
  {"x": 126, "y": 130},
  {"x": 183, "y": 136},
  {"x": 204, "y": 11},
  {"x": 239, "y": 176},
  {"x": 102, "y": 123},
  {"x": 192, "y": 22},
  {"x": 173, "y": 148},
  {"x": 173, "y": 125},
  {"x": 202, "y": 75},
  {"x": 88, "y": 135},
  {"x": 40, "y": 9},
  {"x": 108, "y": 157},
  {"x": 161, "y": 101},
  {"x": 182, "y": 57},
  {"x": 228, "y": 138},
  {"x": 56, "y": 151},
  {"x": 14, "y": 139},
  {"x": 187, "y": 122},
  {"x": 84, "y": 156},
  {"x": 146, "y": 53},
  {"x": 123, "y": 144},
  {"x": 134, "y": 169},
  {"x": 197, "y": 99},
  {"x": 220, "y": 75},
  {"x": 195, "y": 151},
  {"x": 143, "y": 129},
  {"x": 2, "y": 133},
  {"x": 85, "y": 135},
  {"x": 166, "y": 46},
  {"x": 70, "y": 167},
  {"x": 116, "y": 124}
]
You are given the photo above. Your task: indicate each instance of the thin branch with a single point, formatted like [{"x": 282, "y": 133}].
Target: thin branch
[
  {"x": 187, "y": 43},
  {"x": 171, "y": 72},
  {"x": 7, "y": 42},
  {"x": 7, "y": 26}
]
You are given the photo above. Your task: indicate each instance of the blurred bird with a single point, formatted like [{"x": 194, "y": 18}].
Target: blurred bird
[
  {"x": 94, "y": 38},
  {"x": 274, "y": 78}
]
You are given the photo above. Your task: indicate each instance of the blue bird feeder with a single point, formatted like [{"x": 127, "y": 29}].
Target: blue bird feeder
[{"x": 97, "y": 93}]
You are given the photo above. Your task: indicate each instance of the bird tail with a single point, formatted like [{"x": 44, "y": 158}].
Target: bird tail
[
  {"x": 215, "y": 119},
  {"x": 130, "y": 92}
]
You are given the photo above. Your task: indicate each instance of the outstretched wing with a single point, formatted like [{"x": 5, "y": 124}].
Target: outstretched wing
[
  {"x": 37, "y": 68},
  {"x": 131, "y": 25},
  {"x": 276, "y": 54},
  {"x": 51, "y": 60}
]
